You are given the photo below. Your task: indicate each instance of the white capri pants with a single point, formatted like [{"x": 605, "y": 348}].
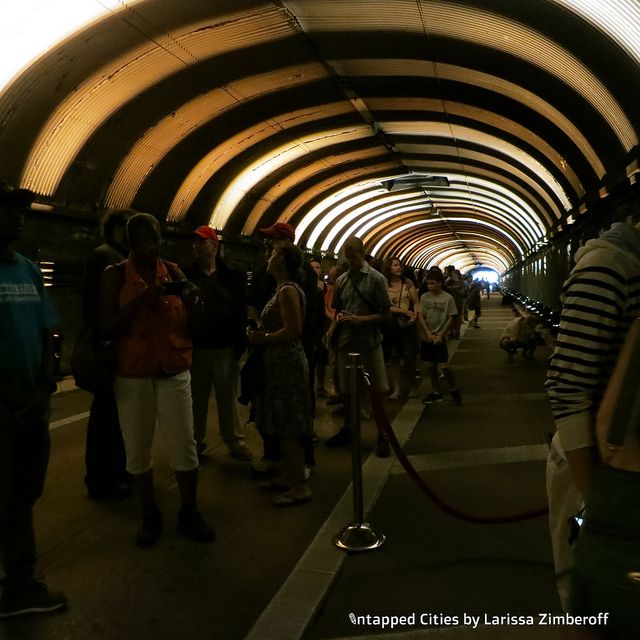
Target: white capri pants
[
  {"x": 143, "y": 402},
  {"x": 564, "y": 501}
]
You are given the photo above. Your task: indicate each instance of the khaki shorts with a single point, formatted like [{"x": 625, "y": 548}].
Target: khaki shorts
[{"x": 372, "y": 362}]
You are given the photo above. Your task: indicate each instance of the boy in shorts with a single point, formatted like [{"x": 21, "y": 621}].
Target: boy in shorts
[{"x": 436, "y": 311}]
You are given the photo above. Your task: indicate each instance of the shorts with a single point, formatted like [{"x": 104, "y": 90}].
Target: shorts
[
  {"x": 430, "y": 352},
  {"x": 400, "y": 340}
]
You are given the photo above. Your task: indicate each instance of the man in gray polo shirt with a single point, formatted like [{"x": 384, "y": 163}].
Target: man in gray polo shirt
[{"x": 362, "y": 303}]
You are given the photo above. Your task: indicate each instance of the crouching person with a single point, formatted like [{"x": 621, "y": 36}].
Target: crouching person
[
  {"x": 143, "y": 307},
  {"x": 520, "y": 333}
]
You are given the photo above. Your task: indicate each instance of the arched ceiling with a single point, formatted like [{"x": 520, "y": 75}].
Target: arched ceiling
[{"x": 461, "y": 132}]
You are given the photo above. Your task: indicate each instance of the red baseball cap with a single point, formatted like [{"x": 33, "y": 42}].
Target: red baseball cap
[
  {"x": 280, "y": 229},
  {"x": 206, "y": 232}
]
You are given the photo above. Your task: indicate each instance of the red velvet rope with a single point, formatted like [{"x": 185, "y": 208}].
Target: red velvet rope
[{"x": 384, "y": 425}]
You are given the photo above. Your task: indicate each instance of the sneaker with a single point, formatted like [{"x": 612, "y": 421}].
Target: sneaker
[
  {"x": 455, "y": 394},
  {"x": 340, "y": 439},
  {"x": 240, "y": 451},
  {"x": 191, "y": 525},
  {"x": 264, "y": 465},
  {"x": 432, "y": 397},
  {"x": 35, "y": 598},
  {"x": 383, "y": 449},
  {"x": 151, "y": 528}
]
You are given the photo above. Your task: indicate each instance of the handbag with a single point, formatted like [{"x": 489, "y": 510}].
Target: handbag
[
  {"x": 93, "y": 361},
  {"x": 618, "y": 417},
  {"x": 251, "y": 377},
  {"x": 607, "y": 561}
]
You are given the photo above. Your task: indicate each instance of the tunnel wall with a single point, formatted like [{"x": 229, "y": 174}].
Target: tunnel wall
[{"x": 542, "y": 274}]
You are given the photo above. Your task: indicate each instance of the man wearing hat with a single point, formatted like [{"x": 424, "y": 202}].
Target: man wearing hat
[
  {"x": 26, "y": 384},
  {"x": 218, "y": 342}
]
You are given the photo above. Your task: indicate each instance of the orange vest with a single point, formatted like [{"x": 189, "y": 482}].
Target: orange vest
[{"x": 157, "y": 343}]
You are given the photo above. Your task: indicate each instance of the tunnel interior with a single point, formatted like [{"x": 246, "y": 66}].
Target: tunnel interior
[{"x": 479, "y": 133}]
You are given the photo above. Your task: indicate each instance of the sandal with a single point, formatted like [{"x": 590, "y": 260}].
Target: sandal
[
  {"x": 275, "y": 484},
  {"x": 290, "y": 500}
]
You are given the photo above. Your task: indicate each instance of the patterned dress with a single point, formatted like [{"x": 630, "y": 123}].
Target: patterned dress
[{"x": 284, "y": 408}]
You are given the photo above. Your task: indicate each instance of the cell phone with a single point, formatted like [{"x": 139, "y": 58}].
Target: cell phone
[{"x": 173, "y": 288}]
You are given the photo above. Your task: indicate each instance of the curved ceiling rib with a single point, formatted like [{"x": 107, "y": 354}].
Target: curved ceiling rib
[
  {"x": 416, "y": 69},
  {"x": 171, "y": 130},
  {"x": 118, "y": 81},
  {"x": 502, "y": 120},
  {"x": 469, "y": 24}
]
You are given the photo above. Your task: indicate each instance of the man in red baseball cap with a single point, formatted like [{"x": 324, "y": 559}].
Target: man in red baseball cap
[
  {"x": 279, "y": 231},
  {"x": 207, "y": 233},
  {"x": 218, "y": 341}
]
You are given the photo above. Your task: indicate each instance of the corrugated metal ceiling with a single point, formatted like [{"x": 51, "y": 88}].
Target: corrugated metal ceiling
[{"x": 242, "y": 113}]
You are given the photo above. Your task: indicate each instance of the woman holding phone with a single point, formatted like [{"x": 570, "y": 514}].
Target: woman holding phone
[{"x": 143, "y": 307}]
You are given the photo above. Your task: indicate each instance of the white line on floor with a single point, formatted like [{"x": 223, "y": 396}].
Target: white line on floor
[
  {"x": 289, "y": 613},
  {"x": 474, "y": 458},
  {"x": 69, "y": 420}
]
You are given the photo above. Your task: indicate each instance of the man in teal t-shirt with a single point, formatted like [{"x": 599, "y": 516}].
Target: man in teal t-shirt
[{"x": 26, "y": 384}]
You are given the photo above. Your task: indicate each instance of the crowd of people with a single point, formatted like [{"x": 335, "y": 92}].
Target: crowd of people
[{"x": 180, "y": 334}]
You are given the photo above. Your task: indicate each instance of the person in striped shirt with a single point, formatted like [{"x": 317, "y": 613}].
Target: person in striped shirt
[{"x": 600, "y": 299}]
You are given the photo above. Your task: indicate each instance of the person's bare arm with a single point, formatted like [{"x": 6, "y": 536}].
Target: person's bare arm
[
  {"x": 114, "y": 322},
  {"x": 291, "y": 314}
]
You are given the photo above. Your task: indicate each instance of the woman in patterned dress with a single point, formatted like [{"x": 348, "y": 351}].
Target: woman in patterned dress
[{"x": 284, "y": 406}]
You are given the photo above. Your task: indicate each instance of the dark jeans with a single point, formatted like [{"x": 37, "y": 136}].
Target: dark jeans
[
  {"x": 104, "y": 456},
  {"x": 24, "y": 456}
]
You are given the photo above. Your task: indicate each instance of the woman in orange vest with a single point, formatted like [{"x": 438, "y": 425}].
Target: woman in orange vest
[{"x": 143, "y": 307}]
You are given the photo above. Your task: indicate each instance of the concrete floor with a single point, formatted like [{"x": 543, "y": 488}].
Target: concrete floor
[{"x": 275, "y": 573}]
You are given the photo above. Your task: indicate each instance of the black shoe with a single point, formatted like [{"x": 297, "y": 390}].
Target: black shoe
[
  {"x": 35, "y": 598},
  {"x": 432, "y": 397},
  {"x": 455, "y": 394},
  {"x": 118, "y": 492},
  {"x": 192, "y": 526},
  {"x": 151, "y": 529},
  {"x": 383, "y": 449},
  {"x": 340, "y": 439}
]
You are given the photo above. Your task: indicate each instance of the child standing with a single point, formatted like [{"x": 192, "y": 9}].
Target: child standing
[{"x": 435, "y": 316}]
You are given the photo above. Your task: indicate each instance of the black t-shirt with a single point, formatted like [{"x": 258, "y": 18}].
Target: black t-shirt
[{"x": 219, "y": 321}]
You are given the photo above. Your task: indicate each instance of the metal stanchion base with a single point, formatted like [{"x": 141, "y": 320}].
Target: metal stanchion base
[{"x": 359, "y": 537}]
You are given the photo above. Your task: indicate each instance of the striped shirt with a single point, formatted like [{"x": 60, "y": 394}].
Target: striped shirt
[{"x": 600, "y": 300}]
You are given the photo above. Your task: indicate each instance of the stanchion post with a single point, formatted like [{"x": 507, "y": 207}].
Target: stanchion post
[
  {"x": 356, "y": 438},
  {"x": 357, "y": 536}
]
